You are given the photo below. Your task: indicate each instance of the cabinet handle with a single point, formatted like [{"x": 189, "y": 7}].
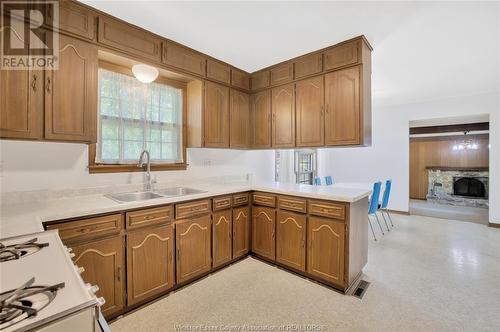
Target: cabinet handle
[
  {"x": 178, "y": 254},
  {"x": 48, "y": 84},
  {"x": 327, "y": 111},
  {"x": 33, "y": 83},
  {"x": 171, "y": 257},
  {"x": 322, "y": 110},
  {"x": 229, "y": 234},
  {"x": 118, "y": 273},
  {"x": 273, "y": 235}
]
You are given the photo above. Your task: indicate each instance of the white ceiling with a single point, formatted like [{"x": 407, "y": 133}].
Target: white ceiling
[{"x": 422, "y": 50}]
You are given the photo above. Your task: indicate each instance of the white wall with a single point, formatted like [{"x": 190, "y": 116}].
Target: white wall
[
  {"x": 30, "y": 166},
  {"x": 388, "y": 157}
]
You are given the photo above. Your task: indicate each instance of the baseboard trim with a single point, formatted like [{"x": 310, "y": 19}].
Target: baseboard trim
[
  {"x": 493, "y": 225},
  {"x": 406, "y": 213}
]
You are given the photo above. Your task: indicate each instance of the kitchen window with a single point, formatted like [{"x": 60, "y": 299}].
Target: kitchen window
[
  {"x": 305, "y": 166},
  {"x": 135, "y": 116}
]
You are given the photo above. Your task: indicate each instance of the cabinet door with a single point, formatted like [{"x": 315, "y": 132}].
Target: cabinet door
[
  {"x": 291, "y": 240},
  {"x": 308, "y": 65},
  {"x": 240, "y": 79},
  {"x": 325, "y": 253},
  {"x": 222, "y": 243},
  {"x": 283, "y": 121},
  {"x": 241, "y": 231},
  {"x": 21, "y": 103},
  {"x": 261, "y": 119},
  {"x": 216, "y": 115},
  {"x": 263, "y": 235},
  {"x": 260, "y": 80},
  {"x": 239, "y": 120},
  {"x": 342, "y": 55},
  {"x": 193, "y": 247},
  {"x": 104, "y": 263},
  {"x": 71, "y": 93},
  {"x": 309, "y": 103},
  {"x": 184, "y": 58},
  {"x": 150, "y": 268},
  {"x": 76, "y": 19},
  {"x": 218, "y": 71},
  {"x": 342, "y": 97}
]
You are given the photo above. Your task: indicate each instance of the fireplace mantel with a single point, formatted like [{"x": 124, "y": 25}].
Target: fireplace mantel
[{"x": 458, "y": 169}]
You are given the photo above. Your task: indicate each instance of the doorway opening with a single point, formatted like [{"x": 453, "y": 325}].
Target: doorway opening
[{"x": 449, "y": 169}]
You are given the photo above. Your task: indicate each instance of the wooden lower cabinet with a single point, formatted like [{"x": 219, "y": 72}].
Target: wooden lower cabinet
[
  {"x": 264, "y": 228},
  {"x": 104, "y": 264},
  {"x": 193, "y": 242},
  {"x": 326, "y": 250},
  {"x": 241, "y": 231},
  {"x": 222, "y": 229},
  {"x": 291, "y": 240},
  {"x": 150, "y": 269}
]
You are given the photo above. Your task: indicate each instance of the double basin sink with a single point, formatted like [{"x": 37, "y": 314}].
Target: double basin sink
[{"x": 147, "y": 195}]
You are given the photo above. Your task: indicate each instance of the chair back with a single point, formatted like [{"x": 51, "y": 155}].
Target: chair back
[
  {"x": 328, "y": 180},
  {"x": 317, "y": 181},
  {"x": 387, "y": 193},
  {"x": 375, "y": 197}
]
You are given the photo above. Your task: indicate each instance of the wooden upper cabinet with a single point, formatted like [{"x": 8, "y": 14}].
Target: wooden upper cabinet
[
  {"x": 283, "y": 119},
  {"x": 222, "y": 238},
  {"x": 77, "y": 19},
  {"x": 342, "y": 98},
  {"x": 326, "y": 250},
  {"x": 150, "y": 265},
  {"x": 71, "y": 93},
  {"x": 260, "y": 110},
  {"x": 193, "y": 242},
  {"x": 291, "y": 240},
  {"x": 241, "y": 231},
  {"x": 21, "y": 103},
  {"x": 216, "y": 115},
  {"x": 282, "y": 74},
  {"x": 260, "y": 80},
  {"x": 264, "y": 231},
  {"x": 309, "y": 112},
  {"x": 239, "y": 128},
  {"x": 104, "y": 265},
  {"x": 129, "y": 39},
  {"x": 240, "y": 79},
  {"x": 342, "y": 55},
  {"x": 183, "y": 58},
  {"x": 308, "y": 65},
  {"x": 218, "y": 71}
]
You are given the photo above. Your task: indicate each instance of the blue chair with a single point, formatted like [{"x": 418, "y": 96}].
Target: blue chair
[
  {"x": 328, "y": 180},
  {"x": 317, "y": 181},
  {"x": 385, "y": 202},
  {"x": 373, "y": 207}
]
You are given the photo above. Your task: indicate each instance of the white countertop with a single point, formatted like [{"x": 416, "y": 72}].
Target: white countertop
[{"x": 26, "y": 218}]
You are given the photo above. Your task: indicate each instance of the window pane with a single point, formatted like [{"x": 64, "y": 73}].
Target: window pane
[
  {"x": 110, "y": 149},
  {"x": 110, "y": 129},
  {"x": 132, "y": 150}
]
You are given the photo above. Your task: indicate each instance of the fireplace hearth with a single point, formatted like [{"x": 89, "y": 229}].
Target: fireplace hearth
[{"x": 469, "y": 187}]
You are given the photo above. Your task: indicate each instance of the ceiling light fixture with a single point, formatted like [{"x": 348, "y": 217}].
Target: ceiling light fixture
[
  {"x": 145, "y": 73},
  {"x": 467, "y": 144}
]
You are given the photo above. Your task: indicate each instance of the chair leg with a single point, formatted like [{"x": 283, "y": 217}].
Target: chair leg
[
  {"x": 390, "y": 219},
  {"x": 385, "y": 221},
  {"x": 370, "y": 223},
  {"x": 379, "y": 225}
]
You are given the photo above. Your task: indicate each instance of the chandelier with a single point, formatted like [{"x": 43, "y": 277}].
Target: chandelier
[{"x": 466, "y": 144}]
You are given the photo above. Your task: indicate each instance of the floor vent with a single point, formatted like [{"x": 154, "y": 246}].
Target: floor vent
[{"x": 361, "y": 289}]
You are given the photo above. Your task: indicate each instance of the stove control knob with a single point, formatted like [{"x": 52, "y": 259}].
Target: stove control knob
[
  {"x": 68, "y": 249},
  {"x": 100, "y": 301},
  {"x": 71, "y": 255},
  {"x": 80, "y": 269},
  {"x": 94, "y": 289}
]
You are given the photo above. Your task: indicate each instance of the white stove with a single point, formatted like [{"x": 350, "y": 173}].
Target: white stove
[{"x": 41, "y": 288}]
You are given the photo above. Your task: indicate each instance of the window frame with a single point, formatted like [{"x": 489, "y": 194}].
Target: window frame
[{"x": 117, "y": 168}]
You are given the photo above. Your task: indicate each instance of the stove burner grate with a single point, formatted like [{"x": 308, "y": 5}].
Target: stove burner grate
[
  {"x": 25, "y": 302},
  {"x": 19, "y": 250}
]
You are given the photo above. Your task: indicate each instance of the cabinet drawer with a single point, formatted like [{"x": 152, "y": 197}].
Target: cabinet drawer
[
  {"x": 264, "y": 199},
  {"x": 221, "y": 203},
  {"x": 240, "y": 199},
  {"x": 218, "y": 71},
  {"x": 260, "y": 80},
  {"x": 185, "y": 210},
  {"x": 292, "y": 204},
  {"x": 183, "y": 58},
  {"x": 331, "y": 210},
  {"x": 282, "y": 74},
  {"x": 240, "y": 79},
  {"x": 341, "y": 55},
  {"x": 146, "y": 217},
  {"x": 76, "y": 19},
  {"x": 308, "y": 65},
  {"x": 129, "y": 39},
  {"x": 89, "y": 228}
]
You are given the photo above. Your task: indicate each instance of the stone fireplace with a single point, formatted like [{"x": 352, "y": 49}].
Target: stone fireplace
[{"x": 460, "y": 187}]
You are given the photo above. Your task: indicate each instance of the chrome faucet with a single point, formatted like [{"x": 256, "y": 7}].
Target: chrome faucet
[{"x": 147, "y": 185}]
